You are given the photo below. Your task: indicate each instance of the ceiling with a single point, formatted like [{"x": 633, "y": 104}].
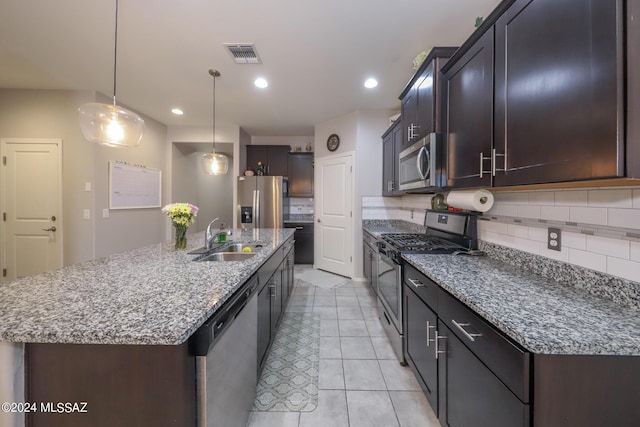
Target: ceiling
[{"x": 316, "y": 54}]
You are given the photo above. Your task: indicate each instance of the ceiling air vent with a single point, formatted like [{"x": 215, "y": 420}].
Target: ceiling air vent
[{"x": 243, "y": 53}]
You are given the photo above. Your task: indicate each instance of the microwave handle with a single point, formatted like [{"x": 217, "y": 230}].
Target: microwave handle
[{"x": 423, "y": 152}]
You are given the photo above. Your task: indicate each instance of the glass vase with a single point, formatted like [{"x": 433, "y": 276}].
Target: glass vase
[{"x": 181, "y": 237}]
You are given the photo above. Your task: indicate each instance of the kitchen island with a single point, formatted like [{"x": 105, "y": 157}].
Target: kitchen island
[{"x": 122, "y": 325}]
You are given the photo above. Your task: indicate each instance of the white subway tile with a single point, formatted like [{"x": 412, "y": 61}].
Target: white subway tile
[
  {"x": 609, "y": 198},
  {"x": 500, "y": 227},
  {"x": 515, "y": 198},
  {"x": 629, "y": 270},
  {"x": 628, "y": 218},
  {"x": 518, "y": 230},
  {"x": 542, "y": 198},
  {"x": 507, "y": 210},
  {"x": 636, "y": 199},
  {"x": 571, "y": 198},
  {"x": 562, "y": 255},
  {"x": 612, "y": 247},
  {"x": 585, "y": 215},
  {"x": 529, "y": 211},
  {"x": 574, "y": 240},
  {"x": 538, "y": 234},
  {"x": 586, "y": 259},
  {"x": 635, "y": 251},
  {"x": 526, "y": 245},
  {"x": 555, "y": 213}
]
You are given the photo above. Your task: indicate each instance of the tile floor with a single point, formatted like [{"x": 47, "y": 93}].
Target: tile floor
[{"x": 361, "y": 383}]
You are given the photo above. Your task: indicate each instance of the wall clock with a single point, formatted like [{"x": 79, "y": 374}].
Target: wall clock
[{"x": 333, "y": 142}]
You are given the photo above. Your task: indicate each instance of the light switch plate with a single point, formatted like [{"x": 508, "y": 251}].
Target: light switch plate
[
  {"x": 105, "y": 213},
  {"x": 87, "y": 186},
  {"x": 86, "y": 214}
]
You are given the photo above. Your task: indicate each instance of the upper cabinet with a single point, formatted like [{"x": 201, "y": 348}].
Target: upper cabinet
[
  {"x": 300, "y": 174},
  {"x": 391, "y": 147},
  {"x": 558, "y": 80},
  {"x": 468, "y": 115},
  {"x": 421, "y": 97},
  {"x": 536, "y": 96},
  {"x": 274, "y": 158}
]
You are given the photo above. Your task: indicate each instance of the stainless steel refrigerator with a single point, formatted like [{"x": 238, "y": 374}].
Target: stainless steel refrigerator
[{"x": 262, "y": 201}]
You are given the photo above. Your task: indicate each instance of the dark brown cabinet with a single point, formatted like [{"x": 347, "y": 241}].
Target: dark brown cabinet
[
  {"x": 421, "y": 329},
  {"x": 391, "y": 147},
  {"x": 300, "y": 169},
  {"x": 558, "y": 80},
  {"x": 421, "y": 98},
  {"x": 304, "y": 241},
  {"x": 468, "y": 115},
  {"x": 274, "y": 158}
]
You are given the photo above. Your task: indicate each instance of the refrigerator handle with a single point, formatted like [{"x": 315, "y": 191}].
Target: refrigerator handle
[{"x": 256, "y": 209}]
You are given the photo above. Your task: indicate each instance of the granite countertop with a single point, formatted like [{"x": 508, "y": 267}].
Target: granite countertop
[
  {"x": 152, "y": 295},
  {"x": 539, "y": 313},
  {"x": 377, "y": 227}
]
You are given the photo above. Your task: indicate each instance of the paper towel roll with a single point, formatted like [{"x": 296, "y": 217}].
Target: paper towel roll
[{"x": 474, "y": 200}]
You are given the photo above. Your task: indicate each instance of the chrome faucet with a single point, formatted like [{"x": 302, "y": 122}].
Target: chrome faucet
[{"x": 209, "y": 237}]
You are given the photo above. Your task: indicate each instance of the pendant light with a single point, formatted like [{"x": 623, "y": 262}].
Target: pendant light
[
  {"x": 109, "y": 124},
  {"x": 215, "y": 163}
]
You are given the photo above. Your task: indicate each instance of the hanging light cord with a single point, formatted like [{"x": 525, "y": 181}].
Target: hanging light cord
[
  {"x": 115, "y": 56},
  {"x": 214, "y": 73}
]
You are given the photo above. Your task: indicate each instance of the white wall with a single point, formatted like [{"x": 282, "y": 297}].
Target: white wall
[{"x": 294, "y": 141}]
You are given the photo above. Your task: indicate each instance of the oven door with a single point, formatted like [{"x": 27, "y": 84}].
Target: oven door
[
  {"x": 417, "y": 165},
  {"x": 390, "y": 288}
]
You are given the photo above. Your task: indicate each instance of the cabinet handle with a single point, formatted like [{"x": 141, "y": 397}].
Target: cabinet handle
[
  {"x": 299, "y": 228},
  {"x": 273, "y": 291},
  {"x": 493, "y": 161},
  {"x": 472, "y": 337},
  {"x": 416, "y": 283},
  {"x": 482, "y": 159},
  {"x": 429, "y": 327},
  {"x": 435, "y": 342}
]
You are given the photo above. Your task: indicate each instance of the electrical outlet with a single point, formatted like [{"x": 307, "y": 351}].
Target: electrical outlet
[{"x": 554, "y": 236}]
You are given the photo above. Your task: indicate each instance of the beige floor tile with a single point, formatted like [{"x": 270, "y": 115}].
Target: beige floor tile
[
  {"x": 274, "y": 419},
  {"x": 331, "y": 411},
  {"x": 398, "y": 377},
  {"x": 353, "y": 328},
  {"x": 371, "y": 409},
  {"x": 331, "y": 375},
  {"x": 329, "y": 328},
  {"x": 363, "y": 375},
  {"x": 413, "y": 409},
  {"x": 357, "y": 348}
]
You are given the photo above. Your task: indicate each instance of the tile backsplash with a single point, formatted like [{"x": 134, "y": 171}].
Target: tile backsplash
[
  {"x": 600, "y": 226},
  {"x": 298, "y": 205}
]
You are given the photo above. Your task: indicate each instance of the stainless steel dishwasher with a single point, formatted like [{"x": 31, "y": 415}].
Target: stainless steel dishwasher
[{"x": 226, "y": 365}]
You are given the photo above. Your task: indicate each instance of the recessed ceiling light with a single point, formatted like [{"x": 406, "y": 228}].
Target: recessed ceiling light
[
  {"x": 177, "y": 111},
  {"x": 371, "y": 83},
  {"x": 261, "y": 83}
]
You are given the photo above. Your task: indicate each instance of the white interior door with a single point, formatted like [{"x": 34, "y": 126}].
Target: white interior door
[
  {"x": 31, "y": 233},
  {"x": 333, "y": 231}
]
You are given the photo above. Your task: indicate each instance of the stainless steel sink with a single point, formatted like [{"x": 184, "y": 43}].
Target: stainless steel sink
[
  {"x": 242, "y": 247},
  {"x": 226, "y": 256}
]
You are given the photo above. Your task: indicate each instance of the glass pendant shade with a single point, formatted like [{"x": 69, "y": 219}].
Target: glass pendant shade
[
  {"x": 215, "y": 163},
  {"x": 111, "y": 125}
]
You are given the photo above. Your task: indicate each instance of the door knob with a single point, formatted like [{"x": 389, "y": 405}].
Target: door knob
[
  {"x": 49, "y": 229},
  {"x": 319, "y": 220}
]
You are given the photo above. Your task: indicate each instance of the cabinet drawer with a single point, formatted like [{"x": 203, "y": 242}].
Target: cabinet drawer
[
  {"x": 504, "y": 358},
  {"x": 424, "y": 287}
]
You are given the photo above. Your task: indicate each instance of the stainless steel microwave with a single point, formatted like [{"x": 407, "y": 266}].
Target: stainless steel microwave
[{"x": 418, "y": 166}]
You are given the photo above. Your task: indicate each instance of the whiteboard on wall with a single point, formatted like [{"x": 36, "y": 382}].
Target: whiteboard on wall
[{"x": 133, "y": 187}]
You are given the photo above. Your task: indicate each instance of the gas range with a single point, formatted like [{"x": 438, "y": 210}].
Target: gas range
[
  {"x": 446, "y": 233},
  {"x": 420, "y": 243}
]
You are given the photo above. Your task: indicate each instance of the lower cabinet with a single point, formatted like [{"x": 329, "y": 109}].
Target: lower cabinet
[
  {"x": 264, "y": 323},
  {"x": 304, "y": 241},
  {"x": 370, "y": 261},
  {"x": 421, "y": 352}
]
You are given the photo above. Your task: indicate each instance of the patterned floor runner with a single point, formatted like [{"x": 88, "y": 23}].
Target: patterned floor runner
[{"x": 289, "y": 380}]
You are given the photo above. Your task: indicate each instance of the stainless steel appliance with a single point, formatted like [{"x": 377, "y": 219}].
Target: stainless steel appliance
[
  {"x": 420, "y": 166},
  {"x": 446, "y": 233},
  {"x": 226, "y": 365},
  {"x": 262, "y": 201}
]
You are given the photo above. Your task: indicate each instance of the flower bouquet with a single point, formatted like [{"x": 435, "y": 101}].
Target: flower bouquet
[{"x": 182, "y": 215}]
